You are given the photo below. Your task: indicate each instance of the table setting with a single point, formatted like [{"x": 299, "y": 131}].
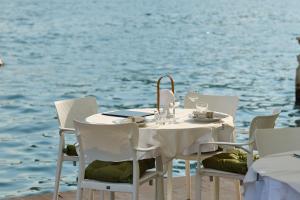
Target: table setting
[{"x": 175, "y": 130}]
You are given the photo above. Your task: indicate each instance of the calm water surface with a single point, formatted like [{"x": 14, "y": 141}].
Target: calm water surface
[{"x": 116, "y": 50}]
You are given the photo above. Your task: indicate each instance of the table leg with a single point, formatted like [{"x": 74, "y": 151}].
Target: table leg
[
  {"x": 188, "y": 180},
  {"x": 169, "y": 180}
]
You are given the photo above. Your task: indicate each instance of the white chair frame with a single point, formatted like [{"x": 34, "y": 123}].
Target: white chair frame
[
  {"x": 258, "y": 122},
  {"x": 67, "y": 111},
  {"x": 272, "y": 141},
  {"x": 225, "y": 104},
  {"x": 92, "y": 139}
]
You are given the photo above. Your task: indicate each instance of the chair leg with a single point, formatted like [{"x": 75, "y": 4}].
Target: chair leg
[
  {"x": 58, "y": 167},
  {"x": 198, "y": 186},
  {"x": 238, "y": 190},
  {"x": 188, "y": 180},
  {"x": 216, "y": 188},
  {"x": 79, "y": 194},
  {"x": 135, "y": 196},
  {"x": 91, "y": 194},
  {"x": 156, "y": 188},
  {"x": 112, "y": 195},
  {"x": 159, "y": 181},
  {"x": 159, "y": 188},
  {"x": 169, "y": 181},
  {"x": 101, "y": 195}
]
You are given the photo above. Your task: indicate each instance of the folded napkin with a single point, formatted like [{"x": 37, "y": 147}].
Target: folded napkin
[{"x": 166, "y": 97}]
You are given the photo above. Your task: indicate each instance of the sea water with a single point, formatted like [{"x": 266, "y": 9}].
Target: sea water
[{"x": 116, "y": 51}]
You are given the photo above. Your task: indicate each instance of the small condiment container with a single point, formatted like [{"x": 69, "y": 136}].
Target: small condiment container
[{"x": 209, "y": 114}]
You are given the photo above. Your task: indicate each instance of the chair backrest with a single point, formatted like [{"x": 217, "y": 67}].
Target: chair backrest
[
  {"x": 271, "y": 141},
  {"x": 113, "y": 142},
  {"x": 225, "y": 104},
  {"x": 263, "y": 122},
  {"x": 75, "y": 109}
]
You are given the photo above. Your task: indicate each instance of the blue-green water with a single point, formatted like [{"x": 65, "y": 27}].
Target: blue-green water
[{"x": 116, "y": 50}]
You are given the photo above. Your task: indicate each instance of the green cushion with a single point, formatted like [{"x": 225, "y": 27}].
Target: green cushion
[
  {"x": 70, "y": 150},
  {"x": 117, "y": 172},
  {"x": 234, "y": 161}
]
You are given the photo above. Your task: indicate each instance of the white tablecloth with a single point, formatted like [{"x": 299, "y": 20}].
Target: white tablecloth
[
  {"x": 176, "y": 139},
  {"x": 278, "y": 179}
]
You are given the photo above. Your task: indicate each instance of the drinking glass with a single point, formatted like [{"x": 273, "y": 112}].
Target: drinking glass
[
  {"x": 201, "y": 107},
  {"x": 172, "y": 108},
  {"x": 163, "y": 112},
  {"x": 156, "y": 117},
  {"x": 193, "y": 99}
]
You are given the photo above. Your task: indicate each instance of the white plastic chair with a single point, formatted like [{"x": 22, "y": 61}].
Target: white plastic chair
[
  {"x": 272, "y": 141},
  {"x": 259, "y": 122},
  {"x": 67, "y": 111},
  {"x": 116, "y": 142},
  {"x": 225, "y": 104}
]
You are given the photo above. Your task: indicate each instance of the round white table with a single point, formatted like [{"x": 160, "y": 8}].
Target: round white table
[
  {"x": 274, "y": 177},
  {"x": 177, "y": 138}
]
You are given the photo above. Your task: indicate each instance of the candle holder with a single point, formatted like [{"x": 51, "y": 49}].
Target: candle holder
[{"x": 158, "y": 89}]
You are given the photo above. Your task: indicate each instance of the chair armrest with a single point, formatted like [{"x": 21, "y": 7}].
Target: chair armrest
[
  {"x": 68, "y": 130},
  {"x": 237, "y": 145},
  {"x": 229, "y": 143},
  {"x": 146, "y": 149}
]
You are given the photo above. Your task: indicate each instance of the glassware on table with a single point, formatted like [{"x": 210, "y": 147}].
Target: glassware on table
[
  {"x": 160, "y": 116},
  {"x": 193, "y": 99},
  {"x": 201, "y": 107},
  {"x": 172, "y": 108},
  {"x": 156, "y": 117},
  {"x": 163, "y": 113}
]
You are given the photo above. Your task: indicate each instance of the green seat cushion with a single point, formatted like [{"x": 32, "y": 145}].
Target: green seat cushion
[
  {"x": 234, "y": 161},
  {"x": 70, "y": 150},
  {"x": 117, "y": 172}
]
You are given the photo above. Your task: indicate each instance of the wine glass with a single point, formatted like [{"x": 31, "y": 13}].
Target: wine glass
[
  {"x": 193, "y": 99},
  {"x": 201, "y": 107},
  {"x": 163, "y": 112},
  {"x": 156, "y": 117}
]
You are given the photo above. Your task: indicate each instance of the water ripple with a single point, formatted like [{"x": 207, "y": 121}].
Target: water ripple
[{"x": 118, "y": 56}]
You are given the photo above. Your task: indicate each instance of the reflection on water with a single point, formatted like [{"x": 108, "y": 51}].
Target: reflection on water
[{"x": 116, "y": 50}]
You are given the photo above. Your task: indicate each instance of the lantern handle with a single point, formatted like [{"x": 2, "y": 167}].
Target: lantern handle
[{"x": 158, "y": 89}]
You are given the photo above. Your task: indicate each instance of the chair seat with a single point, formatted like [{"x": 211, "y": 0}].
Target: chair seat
[
  {"x": 70, "y": 150},
  {"x": 116, "y": 172},
  {"x": 234, "y": 162}
]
